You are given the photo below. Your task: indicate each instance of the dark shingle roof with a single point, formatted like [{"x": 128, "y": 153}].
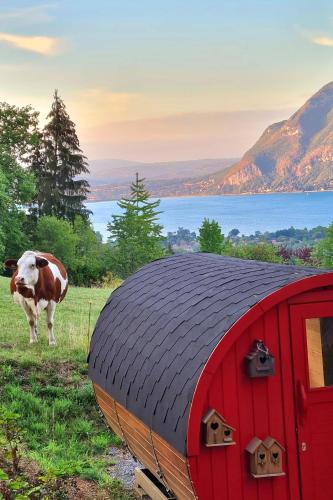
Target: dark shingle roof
[{"x": 157, "y": 331}]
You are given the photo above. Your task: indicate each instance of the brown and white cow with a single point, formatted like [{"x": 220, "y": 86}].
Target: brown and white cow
[{"x": 39, "y": 282}]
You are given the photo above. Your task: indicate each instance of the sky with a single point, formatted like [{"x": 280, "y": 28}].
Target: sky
[{"x": 155, "y": 80}]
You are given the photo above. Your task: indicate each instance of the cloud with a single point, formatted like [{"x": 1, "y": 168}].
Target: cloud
[
  {"x": 32, "y": 14},
  {"x": 100, "y": 104},
  {"x": 325, "y": 41},
  {"x": 44, "y": 45},
  {"x": 106, "y": 96}
]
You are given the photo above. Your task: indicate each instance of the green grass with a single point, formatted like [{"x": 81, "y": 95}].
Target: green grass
[
  {"x": 71, "y": 324},
  {"x": 63, "y": 431}
]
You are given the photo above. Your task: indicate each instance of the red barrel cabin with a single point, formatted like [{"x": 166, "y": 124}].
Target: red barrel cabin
[{"x": 218, "y": 374}]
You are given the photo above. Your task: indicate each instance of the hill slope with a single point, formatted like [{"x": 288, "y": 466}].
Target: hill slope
[{"x": 294, "y": 154}]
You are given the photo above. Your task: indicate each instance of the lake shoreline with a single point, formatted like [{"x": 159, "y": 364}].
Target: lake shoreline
[{"x": 185, "y": 196}]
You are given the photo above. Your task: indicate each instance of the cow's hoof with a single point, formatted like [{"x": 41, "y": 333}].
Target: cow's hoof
[
  {"x": 33, "y": 341},
  {"x": 52, "y": 343}
]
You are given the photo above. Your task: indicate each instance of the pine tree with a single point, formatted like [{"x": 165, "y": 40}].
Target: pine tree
[
  {"x": 60, "y": 192},
  {"x": 136, "y": 235},
  {"x": 210, "y": 237}
]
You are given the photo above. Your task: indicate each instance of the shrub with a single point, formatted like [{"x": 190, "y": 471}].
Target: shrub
[{"x": 264, "y": 252}]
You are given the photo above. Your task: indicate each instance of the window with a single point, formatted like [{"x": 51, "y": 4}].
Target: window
[{"x": 319, "y": 338}]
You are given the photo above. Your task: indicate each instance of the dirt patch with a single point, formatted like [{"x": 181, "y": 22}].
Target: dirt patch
[
  {"x": 65, "y": 370},
  {"x": 79, "y": 489},
  {"x": 7, "y": 345},
  {"x": 30, "y": 468}
]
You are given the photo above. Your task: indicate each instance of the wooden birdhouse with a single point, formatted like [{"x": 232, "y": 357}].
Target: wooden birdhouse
[
  {"x": 275, "y": 451},
  {"x": 260, "y": 362},
  {"x": 216, "y": 430},
  {"x": 259, "y": 466},
  {"x": 265, "y": 457}
]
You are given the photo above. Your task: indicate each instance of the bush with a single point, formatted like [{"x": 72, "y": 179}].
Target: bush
[
  {"x": 77, "y": 246},
  {"x": 264, "y": 252},
  {"x": 57, "y": 236},
  {"x": 324, "y": 249},
  {"x": 110, "y": 281}
]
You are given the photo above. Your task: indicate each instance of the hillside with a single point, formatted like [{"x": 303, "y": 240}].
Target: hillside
[
  {"x": 294, "y": 154},
  {"x": 110, "y": 178}
]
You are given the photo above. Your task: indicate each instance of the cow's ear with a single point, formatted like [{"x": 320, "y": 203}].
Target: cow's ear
[
  {"x": 40, "y": 262},
  {"x": 11, "y": 264}
]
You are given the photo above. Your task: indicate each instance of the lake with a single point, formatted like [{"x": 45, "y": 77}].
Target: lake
[{"x": 248, "y": 213}]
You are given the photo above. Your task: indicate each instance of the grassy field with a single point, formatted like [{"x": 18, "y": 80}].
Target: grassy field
[
  {"x": 64, "y": 440},
  {"x": 71, "y": 324}
]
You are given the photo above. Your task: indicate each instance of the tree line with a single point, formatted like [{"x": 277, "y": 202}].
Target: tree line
[
  {"x": 320, "y": 254},
  {"x": 288, "y": 246}
]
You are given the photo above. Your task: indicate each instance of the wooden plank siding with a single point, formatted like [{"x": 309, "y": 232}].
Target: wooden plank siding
[{"x": 147, "y": 446}]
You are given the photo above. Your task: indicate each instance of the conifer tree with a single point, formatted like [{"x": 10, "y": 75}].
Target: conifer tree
[
  {"x": 210, "y": 237},
  {"x": 60, "y": 192},
  {"x": 136, "y": 234}
]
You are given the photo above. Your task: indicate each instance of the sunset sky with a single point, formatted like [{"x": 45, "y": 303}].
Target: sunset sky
[{"x": 154, "y": 80}]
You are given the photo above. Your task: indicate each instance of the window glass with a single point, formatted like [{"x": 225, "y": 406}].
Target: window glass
[{"x": 319, "y": 337}]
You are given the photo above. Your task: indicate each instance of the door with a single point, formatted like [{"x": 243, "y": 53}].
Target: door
[{"x": 312, "y": 346}]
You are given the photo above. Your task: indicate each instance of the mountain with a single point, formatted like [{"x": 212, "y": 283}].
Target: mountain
[
  {"x": 294, "y": 154},
  {"x": 291, "y": 155},
  {"x": 111, "y": 170},
  {"x": 111, "y": 178},
  {"x": 118, "y": 171}
]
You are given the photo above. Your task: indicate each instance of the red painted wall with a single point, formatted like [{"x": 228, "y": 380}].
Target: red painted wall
[{"x": 255, "y": 407}]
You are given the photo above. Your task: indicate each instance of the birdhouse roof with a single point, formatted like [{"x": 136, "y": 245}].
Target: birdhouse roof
[
  {"x": 269, "y": 441},
  {"x": 213, "y": 413},
  {"x": 159, "y": 328},
  {"x": 253, "y": 445}
]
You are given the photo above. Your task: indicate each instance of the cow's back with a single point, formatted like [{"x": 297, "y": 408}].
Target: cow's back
[{"x": 53, "y": 278}]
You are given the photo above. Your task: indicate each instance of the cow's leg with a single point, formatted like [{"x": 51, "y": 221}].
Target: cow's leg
[
  {"x": 32, "y": 320},
  {"x": 50, "y": 310},
  {"x": 33, "y": 330}
]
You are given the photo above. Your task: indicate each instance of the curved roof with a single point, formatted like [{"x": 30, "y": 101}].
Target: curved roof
[{"x": 157, "y": 331}]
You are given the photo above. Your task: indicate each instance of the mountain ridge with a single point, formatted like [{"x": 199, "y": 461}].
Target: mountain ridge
[
  {"x": 111, "y": 178},
  {"x": 293, "y": 154}
]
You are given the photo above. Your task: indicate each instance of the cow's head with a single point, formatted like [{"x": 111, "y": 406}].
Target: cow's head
[{"x": 27, "y": 268}]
